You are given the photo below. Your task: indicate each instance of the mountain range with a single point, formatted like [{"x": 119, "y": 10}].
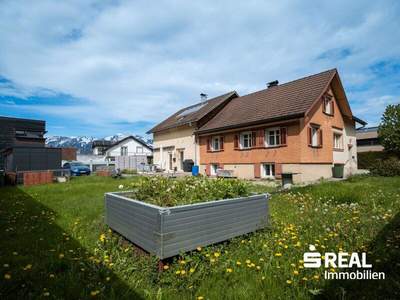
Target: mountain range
[{"x": 84, "y": 143}]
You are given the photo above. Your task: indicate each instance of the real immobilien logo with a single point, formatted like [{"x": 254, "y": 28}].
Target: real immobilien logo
[{"x": 341, "y": 260}]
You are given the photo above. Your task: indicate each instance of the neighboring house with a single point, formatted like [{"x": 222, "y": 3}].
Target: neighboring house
[
  {"x": 300, "y": 129},
  {"x": 128, "y": 146},
  {"x": 22, "y": 146},
  {"x": 174, "y": 139},
  {"x": 100, "y": 147},
  {"x": 367, "y": 140}
]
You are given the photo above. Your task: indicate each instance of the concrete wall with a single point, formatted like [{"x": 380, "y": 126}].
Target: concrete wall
[{"x": 173, "y": 142}]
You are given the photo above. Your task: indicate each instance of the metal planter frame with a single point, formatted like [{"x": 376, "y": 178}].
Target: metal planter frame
[{"x": 168, "y": 231}]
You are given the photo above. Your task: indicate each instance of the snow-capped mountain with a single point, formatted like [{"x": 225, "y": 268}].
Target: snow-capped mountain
[{"x": 84, "y": 143}]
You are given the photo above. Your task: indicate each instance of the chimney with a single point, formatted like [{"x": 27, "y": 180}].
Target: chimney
[
  {"x": 203, "y": 97},
  {"x": 272, "y": 83}
]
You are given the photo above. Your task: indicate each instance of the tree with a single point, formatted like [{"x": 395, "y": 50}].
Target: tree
[{"x": 389, "y": 129}]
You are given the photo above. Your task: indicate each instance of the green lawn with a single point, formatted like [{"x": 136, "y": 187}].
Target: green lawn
[{"x": 54, "y": 245}]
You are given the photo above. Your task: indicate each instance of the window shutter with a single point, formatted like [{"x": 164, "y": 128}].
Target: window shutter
[
  {"x": 221, "y": 139},
  {"x": 208, "y": 144},
  {"x": 236, "y": 141},
  {"x": 261, "y": 137},
  {"x": 254, "y": 139},
  {"x": 320, "y": 137},
  {"x": 257, "y": 170},
  {"x": 208, "y": 173},
  {"x": 283, "y": 136},
  {"x": 309, "y": 136}
]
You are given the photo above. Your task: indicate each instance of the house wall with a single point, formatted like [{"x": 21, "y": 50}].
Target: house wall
[
  {"x": 174, "y": 141},
  {"x": 132, "y": 148}
]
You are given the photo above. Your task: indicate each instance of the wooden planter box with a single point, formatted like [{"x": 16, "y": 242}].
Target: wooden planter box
[{"x": 166, "y": 232}]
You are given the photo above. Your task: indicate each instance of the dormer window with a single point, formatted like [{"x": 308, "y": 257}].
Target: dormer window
[{"x": 328, "y": 105}]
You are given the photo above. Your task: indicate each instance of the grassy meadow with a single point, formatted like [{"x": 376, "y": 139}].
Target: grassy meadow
[{"x": 54, "y": 245}]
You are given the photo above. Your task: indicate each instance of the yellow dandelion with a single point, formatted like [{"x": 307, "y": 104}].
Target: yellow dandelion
[
  {"x": 182, "y": 262},
  {"x": 178, "y": 272},
  {"x": 304, "y": 279},
  {"x": 258, "y": 267},
  {"x": 248, "y": 261},
  {"x": 238, "y": 263},
  {"x": 278, "y": 254},
  {"x": 61, "y": 255},
  {"x": 166, "y": 267},
  {"x": 183, "y": 272},
  {"x": 263, "y": 277},
  {"x": 94, "y": 293},
  {"x": 7, "y": 276},
  {"x": 200, "y": 298},
  {"x": 229, "y": 270},
  {"x": 316, "y": 277},
  {"x": 198, "y": 248},
  {"x": 102, "y": 237},
  {"x": 108, "y": 278},
  {"x": 288, "y": 281},
  {"x": 295, "y": 272},
  {"x": 217, "y": 254},
  {"x": 192, "y": 270},
  {"x": 212, "y": 260}
]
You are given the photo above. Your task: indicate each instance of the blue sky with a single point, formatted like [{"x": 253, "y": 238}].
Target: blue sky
[{"x": 98, "y": 68}]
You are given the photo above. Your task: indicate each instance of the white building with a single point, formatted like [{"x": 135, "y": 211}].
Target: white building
[{"x": 127, "y": 147}]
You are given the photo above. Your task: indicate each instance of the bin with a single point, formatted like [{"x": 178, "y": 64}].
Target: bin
[
  {"x": 195, "y": 170},
  {"x": 337, "y": 170}
]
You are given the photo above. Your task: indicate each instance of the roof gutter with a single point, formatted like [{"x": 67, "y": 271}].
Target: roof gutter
[
  {"x": 359, "y": 121},
  {"x": 254, "y": 123}
]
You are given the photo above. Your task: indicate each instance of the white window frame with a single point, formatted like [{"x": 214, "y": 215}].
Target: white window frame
[
  {"x": 276, "y": 137},
  {"x": 215, "y": 143},
  {"x": 270, "y": 167},
  {"x": 242, "y": 134},
  {"x": 213, "y": 169},
  {"x": 328, "y": 103},
  {"x": 139, "y": 148},
  {"x": 124, "y": 151},
  {"x": 338, "y": 143},
  {"x": 314, "y": 136}
]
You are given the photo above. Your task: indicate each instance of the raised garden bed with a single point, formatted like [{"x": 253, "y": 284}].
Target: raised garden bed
[{"x": 168, "y": 231}]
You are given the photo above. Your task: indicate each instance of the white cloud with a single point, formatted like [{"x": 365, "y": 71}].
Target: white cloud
[{"x": 135, "y": 60}]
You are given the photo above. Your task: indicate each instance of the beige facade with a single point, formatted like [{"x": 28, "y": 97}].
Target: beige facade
[{"x": 173, "y": 146}]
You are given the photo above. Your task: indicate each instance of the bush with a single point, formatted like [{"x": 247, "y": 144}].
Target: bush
[
  {"x": 165, "y": 191},
  {"x": 367, "y": 159},
  {"x": 386, "y": 167}
]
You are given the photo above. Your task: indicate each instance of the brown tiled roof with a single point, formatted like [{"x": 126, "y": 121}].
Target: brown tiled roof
[
  {"x": 291, "y": 99},
  {"x": 191, "y": 113}
]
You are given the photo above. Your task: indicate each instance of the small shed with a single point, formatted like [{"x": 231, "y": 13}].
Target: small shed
[{"x": 32, "y": 158}]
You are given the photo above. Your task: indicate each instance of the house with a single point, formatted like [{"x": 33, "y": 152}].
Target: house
[
  {"x": 99, "y": 147},
  {"x": 303, "y": 129},
  {"x": 128, "y": 146},
  {"x": 174, "y": 139},
  {"x": 22, "y": 146},
  {"x": 367, "y": 140}
]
